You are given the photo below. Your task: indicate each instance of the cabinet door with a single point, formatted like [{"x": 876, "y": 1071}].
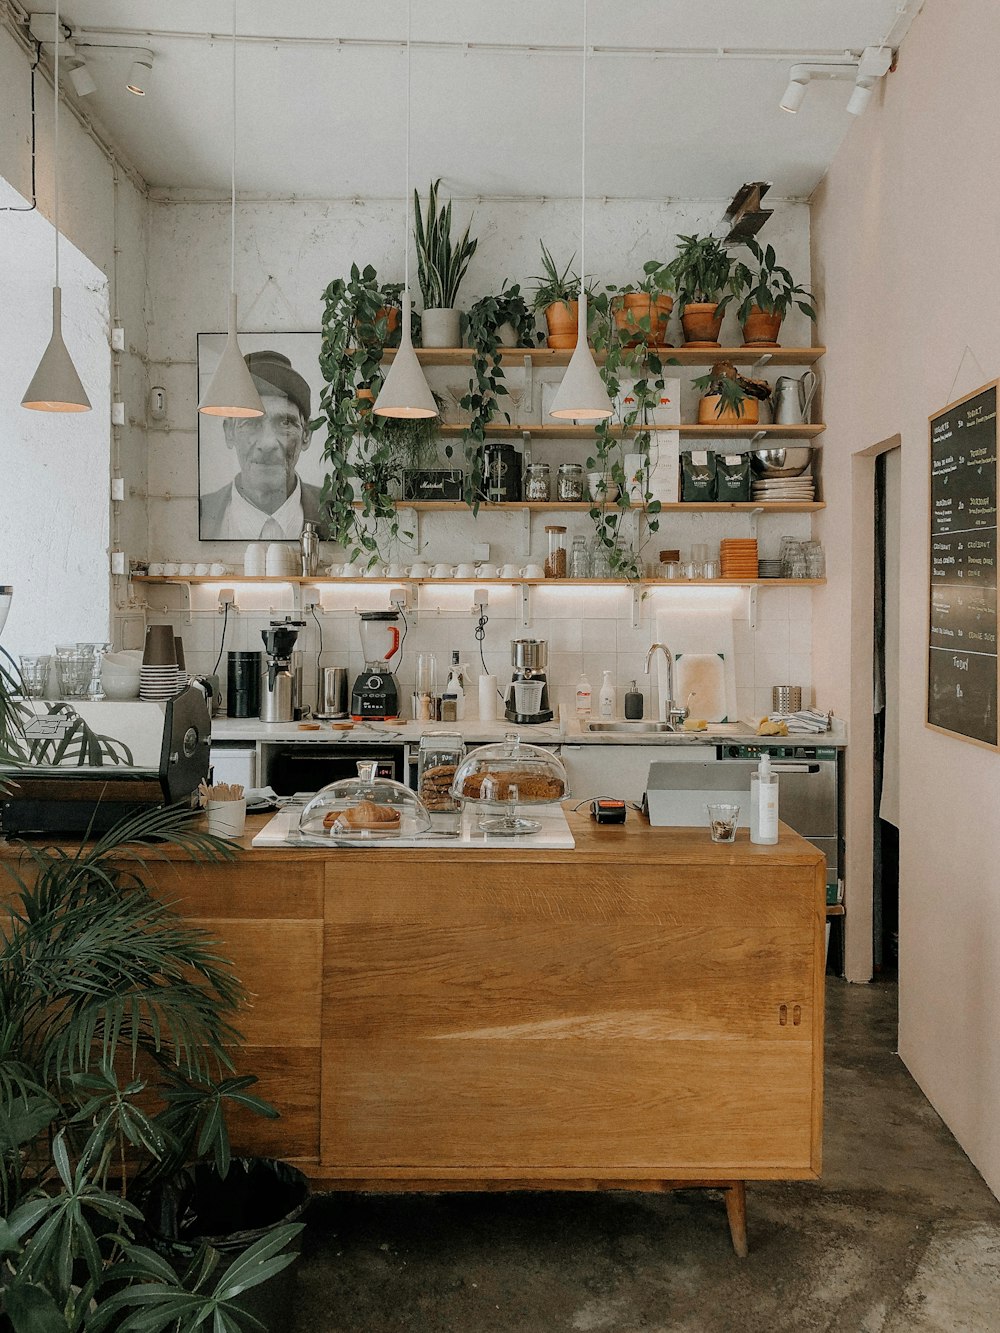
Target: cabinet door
[{"x": 553, "y": 1020}]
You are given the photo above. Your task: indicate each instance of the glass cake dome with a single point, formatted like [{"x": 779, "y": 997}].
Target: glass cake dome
[
  {"x": 506, "y": 776},
  {"x": 356, "y": 812}
]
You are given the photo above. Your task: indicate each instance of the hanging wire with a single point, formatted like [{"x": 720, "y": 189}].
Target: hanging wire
[
  {"x": 232, "y": 164},
  {"x": 55, "y": 142},
  {"x": 225, "y": 622},
  {"x": 319, "y": 655},
  {"x": 402, "y": 639},
  {"x": 480, "y": 636},
  {"x": 29, "y": 208}
]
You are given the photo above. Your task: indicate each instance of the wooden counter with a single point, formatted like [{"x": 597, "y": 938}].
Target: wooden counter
[{"x": 641, "y": 1011}]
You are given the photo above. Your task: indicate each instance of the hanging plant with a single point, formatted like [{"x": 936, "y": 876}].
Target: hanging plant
[
  {"x": 363, "y": 452},
  {"x": 486, "y": 318},
  {"x": 623, "y": 434}
]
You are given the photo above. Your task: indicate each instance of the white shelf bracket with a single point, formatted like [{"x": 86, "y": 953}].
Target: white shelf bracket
[
  {"x": 761, "y": 361},
  {"x": 752, "y": 607},
  {"x": 636, "y": 605},
  {"x": 525, "y": 605},
  {"x": 526, "y": 533},
  {"x": 753, "y": 516},
  {"x": 529, "y": 383}
]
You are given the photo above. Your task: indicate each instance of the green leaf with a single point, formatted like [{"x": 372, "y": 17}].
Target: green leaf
[{"x": 31, "y": 1309}]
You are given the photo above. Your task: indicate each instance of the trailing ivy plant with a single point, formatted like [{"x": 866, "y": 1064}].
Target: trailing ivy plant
[
  {"x": 486, "y": 383},
  {"x": 621, "y": 434},
  {"x": 363, "y": 452}
]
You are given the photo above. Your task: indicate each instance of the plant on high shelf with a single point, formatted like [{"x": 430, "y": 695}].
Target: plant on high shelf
[
  {"x": 487, "y": 319},
  {"x": 557, "y": 293},
  {"x": 701, "y": 274},
  {"x": 363, "y": 452},
  {"x": 769, "y": 290},
  {"x": 441, "y": 265},
  {"x": 729, "y": 398},
  {"x": 642, "y": 310},
  {"x": 623, "y": 435}
]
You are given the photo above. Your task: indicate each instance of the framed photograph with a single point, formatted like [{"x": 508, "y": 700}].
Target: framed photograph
[{"x": 259, "y": 478}]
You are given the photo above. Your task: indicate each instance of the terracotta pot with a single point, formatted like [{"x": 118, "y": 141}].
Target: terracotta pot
[
  {"x": 391, "y": 316},
  {"x": 761, "y": 328},
  {"x": 748, "y": 415},
  {"x": 365, "y": 400},
  {"x": 560, "y": 319},
  {"x": 701, "y": 324},
  {"x": 634, "y": 306}
]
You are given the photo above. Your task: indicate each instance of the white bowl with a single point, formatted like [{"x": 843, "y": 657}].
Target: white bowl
[{"x": 120, "y": 688}]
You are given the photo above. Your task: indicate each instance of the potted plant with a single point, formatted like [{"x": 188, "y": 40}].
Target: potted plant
[
  {"x": 441, "y": 266},
  {"x": 729, "y": 398},
  {"x": 557, "y": 295},
  {"x": 769, "y": 290},
  {"x": 701, "y": 273},
  {"x": 642, "y": 311}
]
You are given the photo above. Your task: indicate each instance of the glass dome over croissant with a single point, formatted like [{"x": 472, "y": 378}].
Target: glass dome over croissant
[{"x": 363, "y": 810}]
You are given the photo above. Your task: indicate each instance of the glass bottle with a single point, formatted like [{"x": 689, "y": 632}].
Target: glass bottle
[
  {"x": 600, "y": 561},
  {"x": 555, "y": 560},
  {"x": 579, "y": 559}
]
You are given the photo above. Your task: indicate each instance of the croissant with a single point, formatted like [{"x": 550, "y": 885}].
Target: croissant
[{"x": 364, "y": 815}]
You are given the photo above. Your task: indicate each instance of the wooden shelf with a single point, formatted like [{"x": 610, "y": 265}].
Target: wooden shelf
[
  {"x": 539, "y": 431},
  {"x": 323, "y": 579},
  {"x": 685, "y": 356},
  {"x": 584, "y": 506}
]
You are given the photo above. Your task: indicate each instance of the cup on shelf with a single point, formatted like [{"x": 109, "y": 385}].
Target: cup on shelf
[
  {"x": 186, "y": 569},
  {"x": 201, "y": 569},
  {"x": 397, "y": 572},
  {"x": 488, "y": 571},
  {"x": 334, "y": 571},
  {"x": 255, "y": 560},
  {"x": 375, "y": 571},
  {"x": 155, "y": 569},
  {"x": 510, "y": 572},
  {"x": 35, "y": 674},
  {"x": 217, "y": 569},
  {"x": 534, "y": 571},
  {"x": 441, "y": 571},
  {"x": 170, "y": 568},
  {"x": 350, "y": 571},
  {"x": 465, "y": 570}
]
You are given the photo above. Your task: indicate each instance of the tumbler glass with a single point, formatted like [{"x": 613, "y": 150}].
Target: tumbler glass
[{"x": 35, "y": 674}]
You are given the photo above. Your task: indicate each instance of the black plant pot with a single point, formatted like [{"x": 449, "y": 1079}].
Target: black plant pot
[{"x": 230, "y": 1213}]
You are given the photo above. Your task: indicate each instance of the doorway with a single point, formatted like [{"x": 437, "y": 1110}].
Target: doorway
[{"x": 885, "y": 717}]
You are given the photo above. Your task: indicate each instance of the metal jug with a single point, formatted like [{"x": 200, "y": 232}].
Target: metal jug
[{"x": 791, "y": 399}]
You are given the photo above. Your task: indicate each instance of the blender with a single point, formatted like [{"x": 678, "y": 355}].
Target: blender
[
  {"x": 527, "y": 699},
  {"x": 375, "y": 696},
  {"x": 277, "y": 696}
]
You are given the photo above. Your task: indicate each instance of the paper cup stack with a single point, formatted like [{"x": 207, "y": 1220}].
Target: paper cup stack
[
  {"x": 739, "y": 557},
  {"x": 158, "y": 677}
]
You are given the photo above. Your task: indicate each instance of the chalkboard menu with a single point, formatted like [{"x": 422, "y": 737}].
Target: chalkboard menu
[{"x": 962, "y": 651}]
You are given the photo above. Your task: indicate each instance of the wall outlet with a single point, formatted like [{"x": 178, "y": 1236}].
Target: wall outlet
[
  {"x": 399, "y": 597},
  {"x": 119, "y": 562},
  {"x": 311, "y": 597},
  {"x": 117, "y": 413},
  {"x": 118, "y": 338},
  {"x": 118, "y": 488},
  {"x": 227, "y": 597}
]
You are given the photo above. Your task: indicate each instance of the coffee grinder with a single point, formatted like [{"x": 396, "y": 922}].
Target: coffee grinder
[
  {"x": 527, "y": 699},
  {"x": 277, "y": 695},
  {"x": 375, "y": 696}
]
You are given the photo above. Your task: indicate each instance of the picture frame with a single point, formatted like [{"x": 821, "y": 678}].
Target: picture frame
[{"x": 237, "y": 498}]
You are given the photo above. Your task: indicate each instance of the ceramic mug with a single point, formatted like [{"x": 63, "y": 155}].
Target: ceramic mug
[
  {"x": 170, "y": 567},
  {"x": 465, "y": 571},
  {"x": 156, "y": 569},
  {"x": 201, "y": 569},
  {"x": 419, "y": 570},
  {"x": 510, "y": 572},
  {"x": 334, "y": 572},
  {"x": 186, "y": 568},
  {"x": 350, "y": 572},
  {"x": 397, "y": 572},
  {"x": 375, "y": 572},
  {"x": 488, "y": 571},
  {"x": 217, "y": 569},
  {"x": 441, "y": 572},
  {"x": 534, "y": 571}
]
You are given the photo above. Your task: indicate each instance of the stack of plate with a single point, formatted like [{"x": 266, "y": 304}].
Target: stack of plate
[
  {"x": 769, "y": 569},
  {"x": 739, "y": 557},
  {"x": 787, "y": 489},
  {"x": 158, "y": 682}
]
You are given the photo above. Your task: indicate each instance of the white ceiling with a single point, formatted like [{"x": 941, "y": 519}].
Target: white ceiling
[{"x": 499, "y": 117}]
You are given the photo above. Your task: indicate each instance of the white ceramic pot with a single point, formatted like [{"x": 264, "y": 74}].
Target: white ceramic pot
[{"x": 441, "y": 328}]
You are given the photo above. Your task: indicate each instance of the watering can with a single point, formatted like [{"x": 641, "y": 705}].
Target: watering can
[{"x": 791, "y": 398}]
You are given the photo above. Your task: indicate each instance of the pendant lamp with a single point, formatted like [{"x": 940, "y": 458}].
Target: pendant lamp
[
  {"x": 582, "y": 395},
  {"x": 404, "y": 391},
  {"x": 55, "y": 386},
  {"x": 231, "y": 391}
]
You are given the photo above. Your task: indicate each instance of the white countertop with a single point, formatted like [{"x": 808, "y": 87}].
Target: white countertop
[{"x": 233, "y": 729}]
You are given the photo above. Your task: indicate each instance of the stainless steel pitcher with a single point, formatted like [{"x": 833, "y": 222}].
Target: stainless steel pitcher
[{"x": 791, "y": 399}]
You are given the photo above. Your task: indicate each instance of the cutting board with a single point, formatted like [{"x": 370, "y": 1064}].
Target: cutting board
[{"x": 700, "y": 685}]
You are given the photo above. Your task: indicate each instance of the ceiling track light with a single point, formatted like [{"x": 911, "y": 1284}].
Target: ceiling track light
[
  {"x": 55, "y": 385},
  {"x": 140, "y": 74},
  {"x": 873, "y": 64},
  {"x": 81, "y": 78}
]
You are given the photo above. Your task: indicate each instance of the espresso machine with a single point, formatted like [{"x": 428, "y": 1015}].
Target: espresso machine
[
  {"x": 527, "y": 698},
  {"x": 277, "y": 694},
  {"x": 375, "y": 696}
]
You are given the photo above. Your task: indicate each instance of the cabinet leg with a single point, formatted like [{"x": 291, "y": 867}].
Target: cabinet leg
[{"x": 736, "y": 1212}]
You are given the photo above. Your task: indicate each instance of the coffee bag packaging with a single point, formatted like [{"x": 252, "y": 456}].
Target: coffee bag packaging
[
  {"x": 732, "y": 478},
  {"x": 697, "y": 476}
]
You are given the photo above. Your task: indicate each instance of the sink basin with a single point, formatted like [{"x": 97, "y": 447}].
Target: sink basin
[{"x": 630, "y": 728}]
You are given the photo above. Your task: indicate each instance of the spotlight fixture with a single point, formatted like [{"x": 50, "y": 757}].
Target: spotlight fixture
[
  {"x": 140, "y": 73},
  {"x": 82, "y": 80},
  {"x": 873, "y": 64}
]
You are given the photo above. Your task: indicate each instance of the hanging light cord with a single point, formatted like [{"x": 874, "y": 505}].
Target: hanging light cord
[
  {"x": 222, "y": 644},
  {"x": 30, "y": 208},
  {"x": 55, "y": 143},
  {"x": 583, "y": 165},
  {"x": 406, "y": 190},
  {"x": 232, "y": 165}
]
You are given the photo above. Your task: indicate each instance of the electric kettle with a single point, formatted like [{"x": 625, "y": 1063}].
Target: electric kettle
[{"x": 791, "y": 399}]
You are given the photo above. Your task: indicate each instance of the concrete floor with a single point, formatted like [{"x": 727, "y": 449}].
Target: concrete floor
[{"x": 900, "y": 1236}]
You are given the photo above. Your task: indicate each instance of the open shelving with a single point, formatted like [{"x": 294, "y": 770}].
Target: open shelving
[
  {"x": 684, "y": 356},
  {"x": 319, "y": 580}
]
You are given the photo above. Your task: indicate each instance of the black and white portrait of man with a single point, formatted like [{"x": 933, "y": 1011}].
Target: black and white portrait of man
[{"x": 269, "y": 467}]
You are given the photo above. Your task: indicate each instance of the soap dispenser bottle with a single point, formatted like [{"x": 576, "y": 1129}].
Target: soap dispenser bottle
[
  {"x": 606, "y": 698},
  {"x": 764, "y": 802},
  {"x": 584, "y": 697},
  {"x": 456, "y": 685}
]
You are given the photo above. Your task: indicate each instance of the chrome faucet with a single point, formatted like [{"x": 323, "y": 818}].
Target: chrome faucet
[{"x": 667, "y": 710}]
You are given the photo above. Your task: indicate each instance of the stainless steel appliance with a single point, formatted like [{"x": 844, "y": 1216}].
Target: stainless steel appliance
[
  {"x": 277, "y": 696},
  {"x": 290, "y": 769},
  {"x": 93, "y": 763},
  {"x": 375, "y": 696},
  {"x": 527, "y": 706},
  {"x": 243, "y": 684},
  {"x": 332, "y": 700}
]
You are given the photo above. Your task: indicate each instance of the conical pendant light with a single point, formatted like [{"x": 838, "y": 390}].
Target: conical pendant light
[
  {"x": 232, "y": 392},
  {"x": 582, "y": 395},
  {"x": 404, "y": 391},
  {"x": 55, "y": 386}
]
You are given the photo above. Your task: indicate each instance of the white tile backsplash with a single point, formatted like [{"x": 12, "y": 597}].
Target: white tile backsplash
[{"x": 587, "y": 629}]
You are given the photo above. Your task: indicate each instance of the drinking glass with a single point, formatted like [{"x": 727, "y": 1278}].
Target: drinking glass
[
  {"x": 35, "y": 674},
  {"x": 722, "y": 821}
]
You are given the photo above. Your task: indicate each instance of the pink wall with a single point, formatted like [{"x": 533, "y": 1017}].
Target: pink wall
[{"x": 906, "y": 234}]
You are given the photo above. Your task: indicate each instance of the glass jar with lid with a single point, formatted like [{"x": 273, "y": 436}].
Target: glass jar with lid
[
  {"x": 501, "y": 778},
  {"x": 536, "y": 482},
  {"x": 362, "y": 810},
  {"x": 438, "y": 758},
  {"x": 555, "y": 559},
  {"x": 569, "y": 482}
]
